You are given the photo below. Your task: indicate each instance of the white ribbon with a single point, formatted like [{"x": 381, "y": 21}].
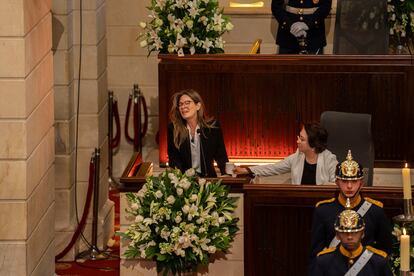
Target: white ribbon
[{"x": 362, "y": 261}]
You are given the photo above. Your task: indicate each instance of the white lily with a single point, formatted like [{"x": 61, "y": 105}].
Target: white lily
[
  {"x": 143, "y": 43},
  {"x": 207, "y": 44}
]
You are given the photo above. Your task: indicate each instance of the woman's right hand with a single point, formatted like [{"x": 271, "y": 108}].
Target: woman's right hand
[{"x": 240, "y": 170}]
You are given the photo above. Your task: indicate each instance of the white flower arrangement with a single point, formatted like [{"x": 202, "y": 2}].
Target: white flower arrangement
[
  {"x": 180, "y": 220},
  {"x": 401, "y": 20},
  {"x": 185, "y": 27}
]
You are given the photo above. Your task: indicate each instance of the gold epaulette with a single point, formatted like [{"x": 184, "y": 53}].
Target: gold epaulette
[
  {"x": 325, "y": 201},
  {"x": 326, "y": 250},
  {"x": 373, "y": 201},
  {"x": 377, "y": 251}
]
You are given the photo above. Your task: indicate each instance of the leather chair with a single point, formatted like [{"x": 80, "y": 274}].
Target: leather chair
[{"x": 351, "y": 131}]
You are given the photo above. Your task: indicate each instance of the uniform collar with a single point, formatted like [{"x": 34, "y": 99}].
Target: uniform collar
[
  {"x": 355, "y": 201},
  {"x": 351, "y": 254}
]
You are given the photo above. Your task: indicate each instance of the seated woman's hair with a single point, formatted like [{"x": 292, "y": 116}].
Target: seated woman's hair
[
  {"x": 180, "y": 124},
  {"x": 317, "y": 136}
]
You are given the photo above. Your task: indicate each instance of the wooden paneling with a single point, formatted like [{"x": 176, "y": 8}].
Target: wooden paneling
[{"x": 260, "y": 100}]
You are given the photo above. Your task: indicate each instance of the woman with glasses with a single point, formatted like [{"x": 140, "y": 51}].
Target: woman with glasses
[
  {"x": 194, "y": 140},
  {"x": 311, "y": 164}
]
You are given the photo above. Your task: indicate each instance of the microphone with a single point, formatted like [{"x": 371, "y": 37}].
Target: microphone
[{"x": 202, "y": 154}]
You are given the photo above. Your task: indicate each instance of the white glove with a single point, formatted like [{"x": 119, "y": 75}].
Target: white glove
[
  {"x": 299, "y": 29},
  {"x": 301, "y": 33}
]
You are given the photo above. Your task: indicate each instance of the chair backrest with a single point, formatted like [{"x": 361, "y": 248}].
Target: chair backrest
[{"x": 351, "y": 131}]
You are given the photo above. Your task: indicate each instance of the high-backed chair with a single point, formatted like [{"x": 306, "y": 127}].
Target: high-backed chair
[{"x": 351, "y": 131}]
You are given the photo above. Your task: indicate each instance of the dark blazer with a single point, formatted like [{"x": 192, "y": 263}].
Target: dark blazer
[
  {"x": 316, "y": 22},
  {"x": 212, "y": 147},
  {"x": 335, "y": 264}
]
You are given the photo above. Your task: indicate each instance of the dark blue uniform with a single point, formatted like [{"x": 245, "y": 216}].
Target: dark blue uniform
[
  {"x": 316, "y": 22},
  {"x": 377, "y": 226},
  {"x": 334, "y": 263}
]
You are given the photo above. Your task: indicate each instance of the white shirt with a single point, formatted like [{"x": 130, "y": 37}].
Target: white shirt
[{"x": 195, "y": 149}]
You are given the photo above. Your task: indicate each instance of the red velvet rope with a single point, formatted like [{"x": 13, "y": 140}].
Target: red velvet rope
[
  {"x": 85, "y": 212},
  {"x": 137, "y": 125},
  {"x": 138, "y": 134},
  {"x": 127, "y": 137},
  {"x": 115, "y": 141},
  {"x": 144, "y": 107}
]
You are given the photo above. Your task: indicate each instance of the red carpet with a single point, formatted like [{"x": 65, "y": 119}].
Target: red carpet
[{"x": 107, "y": 267}]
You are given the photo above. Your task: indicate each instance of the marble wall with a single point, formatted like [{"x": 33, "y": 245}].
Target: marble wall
[{"x": 27, "y": 201}]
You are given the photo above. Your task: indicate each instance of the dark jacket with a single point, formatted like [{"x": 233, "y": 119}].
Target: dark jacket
[
  {"x": 316, "y": 22},
  {"x": 335, "y": 264},
  {"x": 213, "y": 149}
]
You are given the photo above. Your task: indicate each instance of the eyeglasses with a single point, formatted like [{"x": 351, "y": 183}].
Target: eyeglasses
[
  {"x": 302, "y": 139},
  {"x": 186, "y": 103}
]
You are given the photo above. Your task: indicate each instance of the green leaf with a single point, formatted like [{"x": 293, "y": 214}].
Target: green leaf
[{"x": 410, "y": 5}]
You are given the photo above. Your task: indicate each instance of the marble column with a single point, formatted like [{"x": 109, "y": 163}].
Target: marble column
[{"x": 27, "y": 203}]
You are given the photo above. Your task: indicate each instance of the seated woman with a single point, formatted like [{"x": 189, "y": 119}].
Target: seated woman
[
  {"x": 311, "y": 164},
  {"x": 194, "y": 140}
]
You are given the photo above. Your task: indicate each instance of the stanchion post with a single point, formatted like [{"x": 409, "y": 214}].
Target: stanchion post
[
  {"x": 93, "y": 252},
  {"x": 94, "y": 247}
]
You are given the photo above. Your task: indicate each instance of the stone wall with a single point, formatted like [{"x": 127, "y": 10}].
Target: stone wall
[{"x": 27, "y": 202}]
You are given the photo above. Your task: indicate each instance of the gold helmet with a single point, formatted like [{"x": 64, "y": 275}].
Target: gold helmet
[
  {"x": 349, "y": 221},
  {"x": 349, "y": 169}
]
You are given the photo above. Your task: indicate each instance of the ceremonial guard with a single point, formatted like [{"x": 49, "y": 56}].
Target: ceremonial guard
[
  {"x": 351, "y": 258},
  {"x": 349, "y": 179},
  {"x": 301, "y": 21}
]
